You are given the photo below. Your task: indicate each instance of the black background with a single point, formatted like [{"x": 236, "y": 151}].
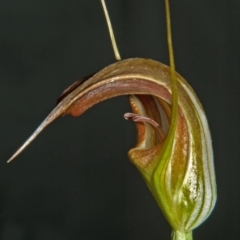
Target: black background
[{"x": 75, "y": 181}]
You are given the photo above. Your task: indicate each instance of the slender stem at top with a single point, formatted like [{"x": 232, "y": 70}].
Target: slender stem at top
[
  {"x": 172, "y": 67},
  {"x": 115, "y": 48}
]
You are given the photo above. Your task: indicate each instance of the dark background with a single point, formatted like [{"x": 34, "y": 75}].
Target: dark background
[{"x": 75, "y": 181}]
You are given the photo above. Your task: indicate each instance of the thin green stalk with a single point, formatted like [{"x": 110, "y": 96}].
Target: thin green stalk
[
  {"x": 110, "y": 29},
  {"x": 176, "y": 235}
]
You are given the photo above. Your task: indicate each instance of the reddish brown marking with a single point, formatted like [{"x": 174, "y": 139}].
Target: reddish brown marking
[
  {"x": 137, "y": 118},
  {"x": 113, "y": 89}
]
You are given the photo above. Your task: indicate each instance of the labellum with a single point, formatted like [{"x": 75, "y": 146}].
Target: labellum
[{"x": 173, "y": 152}]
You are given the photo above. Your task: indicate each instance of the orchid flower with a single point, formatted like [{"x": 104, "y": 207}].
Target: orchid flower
[{"x": 174, "y": 151}]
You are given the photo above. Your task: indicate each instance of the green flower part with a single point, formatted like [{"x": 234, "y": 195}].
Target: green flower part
[{"x": 173, "y": 151}]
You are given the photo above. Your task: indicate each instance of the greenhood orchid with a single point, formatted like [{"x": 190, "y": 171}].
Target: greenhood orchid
[
  {"x": 177, "y": 168},
  {"x": 173, "y": 152}
]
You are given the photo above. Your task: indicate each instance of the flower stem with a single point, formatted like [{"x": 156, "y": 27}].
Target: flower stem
[
  {"x": 110, "y": 29},
  {"x": 176, "y": 235}
]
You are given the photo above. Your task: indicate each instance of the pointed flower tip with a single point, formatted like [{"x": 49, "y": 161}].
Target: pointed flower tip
[
  {"x": 29, "y": 140},
  {"x": 25, "y": 144},
  {"x": 57, "y": 111},
  {"x": 11, "y": 158}
]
